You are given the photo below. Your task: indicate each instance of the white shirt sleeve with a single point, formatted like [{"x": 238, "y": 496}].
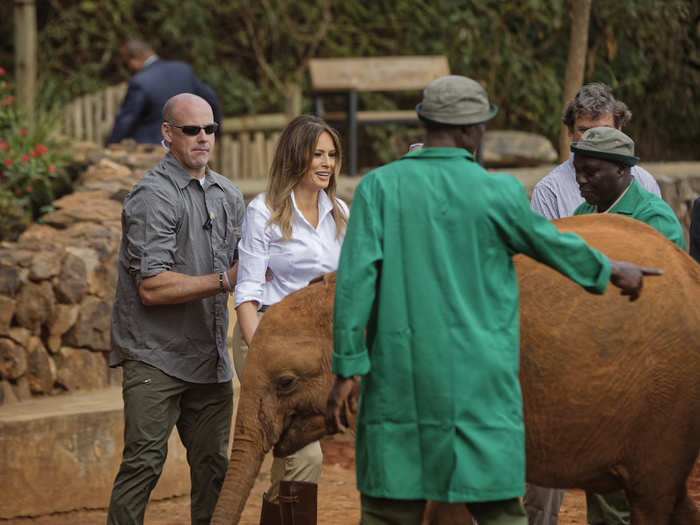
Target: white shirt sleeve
[
  {"x": 646, "y": 180},
  {"x": 253, "y": 254}
]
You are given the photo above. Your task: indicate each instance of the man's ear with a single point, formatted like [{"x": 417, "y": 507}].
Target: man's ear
[{"x": 165, "y": 130}]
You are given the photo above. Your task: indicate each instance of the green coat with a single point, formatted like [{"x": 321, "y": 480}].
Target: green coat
[
  {"x": 639, "y": 204},
  {"x": 426, "y": 269}
]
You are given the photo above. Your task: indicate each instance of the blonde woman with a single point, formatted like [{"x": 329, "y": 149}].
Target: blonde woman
[{"x": 295, "y": 229}]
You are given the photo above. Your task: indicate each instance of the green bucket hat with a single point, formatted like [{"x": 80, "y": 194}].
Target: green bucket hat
[
  {"x": 454, "y": 100},
  {"x": 608, "y": 144}
]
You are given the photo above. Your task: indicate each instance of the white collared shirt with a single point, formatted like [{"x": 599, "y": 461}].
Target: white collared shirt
[{"x": 309, "y": 253}]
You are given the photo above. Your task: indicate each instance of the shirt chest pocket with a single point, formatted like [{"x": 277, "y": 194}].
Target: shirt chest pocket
[
  {"x": 282, "y": 258},
  {"x": 225, "y": 231}
]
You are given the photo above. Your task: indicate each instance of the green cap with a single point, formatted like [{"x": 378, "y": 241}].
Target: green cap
[
  {"x": 608, "y": 144},
  {"x": 454, "y": 100}
]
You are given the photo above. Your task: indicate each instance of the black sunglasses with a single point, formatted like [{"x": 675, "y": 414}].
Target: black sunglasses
[{"x": 194, "y": 130}]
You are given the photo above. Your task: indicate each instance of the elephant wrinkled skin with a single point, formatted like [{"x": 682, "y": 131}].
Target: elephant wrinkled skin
[{"x": 611, "y": 389}]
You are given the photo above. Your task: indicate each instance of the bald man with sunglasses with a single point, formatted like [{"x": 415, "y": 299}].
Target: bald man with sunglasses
[{"x": 180, "y": 228}]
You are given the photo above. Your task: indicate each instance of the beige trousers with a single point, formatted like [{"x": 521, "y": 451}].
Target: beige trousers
[{"x": 305, "y": 464}]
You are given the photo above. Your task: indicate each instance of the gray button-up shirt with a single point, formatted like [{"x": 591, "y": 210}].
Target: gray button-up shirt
[{"x": 171, "y": 222}]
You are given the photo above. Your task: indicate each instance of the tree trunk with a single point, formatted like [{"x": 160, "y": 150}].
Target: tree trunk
[
  {"x": 578, "y": 46},
  {"x": 25, "y": 55}
]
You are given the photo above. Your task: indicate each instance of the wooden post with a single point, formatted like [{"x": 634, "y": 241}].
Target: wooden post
[
  {"x": 578, "y": 47},
  {"x": 25, "y": 55}
]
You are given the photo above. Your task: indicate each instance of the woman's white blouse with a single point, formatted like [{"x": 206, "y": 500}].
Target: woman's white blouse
[{"x": 309, "y": 253}]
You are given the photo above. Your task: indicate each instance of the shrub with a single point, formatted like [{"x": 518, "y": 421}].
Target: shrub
[{"x": 32, "y": 168}]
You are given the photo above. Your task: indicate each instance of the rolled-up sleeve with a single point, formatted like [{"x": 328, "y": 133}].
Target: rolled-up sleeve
[
  {"x": 253, "y": 256},
  {"x": 149, "y": 223}
]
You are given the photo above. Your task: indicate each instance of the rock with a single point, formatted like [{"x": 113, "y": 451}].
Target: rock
[
  {"x": 7, "y": 312},
  {"x": 19, "y": 335},
  {"x": 13, "y": 359},
  {"x": 103, "y": 281},
  {"x": 10, "y": 280},
  {"x": 94, "y": 206},
  {"x": 35, "y": 303},
  {"x": 81, "y": 369},
  {"x": 63, "y": 318},
  {"x": 93, "y": 325},
  {"x": 105, "y": 169},
  {"x": 502, "y": 148},
  {"x": 103, "y": 238},
  {"x": 7, "y": 395},
  {"x": 17, "y": 257},
  {"x": 89, "y": 257},
  {"x": 73, "y": 281},
  {"x": 22, "y": 390},
  {"x": 41, "y": 369},
  {"x": 45, "y": 265},
  {"x": 81, "y": 151},
  {"x": 41, "y": 236}
]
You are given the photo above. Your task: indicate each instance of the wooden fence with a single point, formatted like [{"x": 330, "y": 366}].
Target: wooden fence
[{"x": 244, "y": 148}]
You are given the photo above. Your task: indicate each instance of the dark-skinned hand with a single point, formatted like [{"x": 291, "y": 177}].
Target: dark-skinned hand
[
  {"x": 341, "y": 401},
  {"x": 630, "y": 277}
]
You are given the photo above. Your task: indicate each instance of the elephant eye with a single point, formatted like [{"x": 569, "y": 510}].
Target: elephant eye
[{"x": 285, "y": 384}]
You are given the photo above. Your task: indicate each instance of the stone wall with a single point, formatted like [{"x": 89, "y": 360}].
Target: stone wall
[{"x": 58, "y": 281}]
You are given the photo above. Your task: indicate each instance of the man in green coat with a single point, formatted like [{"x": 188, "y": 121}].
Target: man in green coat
[
  {"x": 602, "y": 159},
  {"x": 426, "y": 310}
]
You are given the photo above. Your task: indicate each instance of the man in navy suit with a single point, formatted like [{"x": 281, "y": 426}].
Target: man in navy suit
[{"x": 154, "y": 82}]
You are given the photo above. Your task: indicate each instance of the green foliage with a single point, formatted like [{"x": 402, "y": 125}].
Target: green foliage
[
  {"x": 32, "y": 167},
  {"x": 647, "y": 50}
]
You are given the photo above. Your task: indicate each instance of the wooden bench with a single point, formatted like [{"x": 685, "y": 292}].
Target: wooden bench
[{"x": 349, "y": 76}]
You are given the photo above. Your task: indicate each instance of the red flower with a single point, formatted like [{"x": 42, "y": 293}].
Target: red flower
[
  {"x": 35, "y": 154},
  {"x": 52, "y": 169},
  {"x": 41, "y": 150},
  {"x": 25, "y": 158},
  {"x": 12, "y": 98},
  {"x": 28, "y": 189},
  {"x": 23, "y": 132},
  {"x": 4, "y": 146},
  {"x": 6, "y": 102},
  {"x": 2, "y": 71},
  {"x": 8, "y": 161}
]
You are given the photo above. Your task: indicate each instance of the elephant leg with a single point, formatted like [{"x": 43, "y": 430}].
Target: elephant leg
[
  {"x": 652, "y": 508},
  {"x": 685, "y": 512}
]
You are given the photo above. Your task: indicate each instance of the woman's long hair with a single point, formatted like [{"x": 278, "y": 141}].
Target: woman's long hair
[{"x": 292, "y": 160}]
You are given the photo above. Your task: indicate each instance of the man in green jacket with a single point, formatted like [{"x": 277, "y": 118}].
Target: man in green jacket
[
  {"x": 602, "y": 159},
  {"x": 426, "y": 310}
]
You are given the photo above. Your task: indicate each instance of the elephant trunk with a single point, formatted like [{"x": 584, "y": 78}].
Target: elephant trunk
[{"x": 246, "y": 458}]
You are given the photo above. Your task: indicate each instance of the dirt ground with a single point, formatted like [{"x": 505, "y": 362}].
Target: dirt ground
[{"x": 338, "y": 499}]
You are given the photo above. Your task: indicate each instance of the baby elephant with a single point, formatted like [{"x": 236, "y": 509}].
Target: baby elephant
[{"x": 611, "y": 388}]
